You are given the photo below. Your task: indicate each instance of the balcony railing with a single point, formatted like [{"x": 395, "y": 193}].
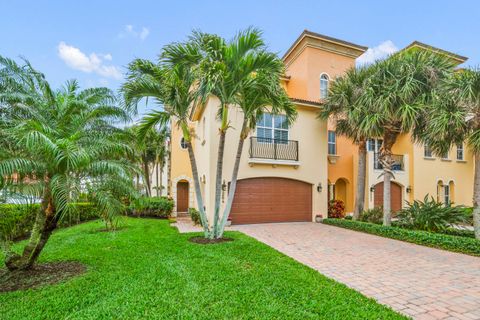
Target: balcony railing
[
  {"x": 398, "y": 163},
  {"x": 275, "y": 149}
]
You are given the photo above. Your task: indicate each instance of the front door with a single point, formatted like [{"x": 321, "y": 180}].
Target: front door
[{"x": 182, "y": 196}]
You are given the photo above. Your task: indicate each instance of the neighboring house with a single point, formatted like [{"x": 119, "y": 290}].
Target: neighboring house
[
  {"x": 283, "y": 174},
  {"x": 417, "y": 171}
]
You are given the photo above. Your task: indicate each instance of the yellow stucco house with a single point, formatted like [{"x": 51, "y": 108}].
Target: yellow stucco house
[{"x": 290, "y": 173}]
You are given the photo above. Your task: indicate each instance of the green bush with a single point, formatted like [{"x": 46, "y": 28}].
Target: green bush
[
  {"x": 442, "y": 241},
  {"x": 195, "y": 216},
  {"x": 459, "y": 232},
  {"x": 374, "y": 215},
  {"x": 16, "y": 220},
  {"x": 160, "y": 207},
  {"x": 430, "y": 215}
]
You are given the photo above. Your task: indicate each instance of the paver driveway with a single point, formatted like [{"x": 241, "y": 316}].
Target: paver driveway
[{"x": 421, "y": 282}]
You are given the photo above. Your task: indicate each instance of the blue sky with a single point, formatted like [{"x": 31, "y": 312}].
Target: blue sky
[{"x": 93, "y": 41}]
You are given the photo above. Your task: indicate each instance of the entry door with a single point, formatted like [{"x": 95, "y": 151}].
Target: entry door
[{"x": 182, "y": 196}]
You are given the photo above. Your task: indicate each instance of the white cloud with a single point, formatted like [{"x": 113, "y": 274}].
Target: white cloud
[
  {"x": 379, "y": 52},
  {"x": 130, "y": 31},
  {"x": 93, "y": 63}
]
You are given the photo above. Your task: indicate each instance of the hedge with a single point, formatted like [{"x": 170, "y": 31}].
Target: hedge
[
  {"x": 17, "y": 219},
  {"x": 436, "y": 240},
  {"x": 159, "y": 207}
]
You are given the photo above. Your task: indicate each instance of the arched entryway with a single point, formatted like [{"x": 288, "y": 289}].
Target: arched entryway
[
  {"x": 341, "y": 190},
  {"x": 395, "y": 199},
  {"x": 182, "y": 196}
]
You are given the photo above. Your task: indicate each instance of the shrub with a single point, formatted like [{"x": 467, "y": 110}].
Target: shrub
[
  {"x": 16, "y": 220},
  {"x": 430, "y": 215},
  {"x": 195, "y": 216},
  {"x": 436, "y": 240},
  {"x": 336, "y": 209},
  {"x": 374, "y": 215},
  {"x": 459, "y": 232},
  {"x": 160, "y": 207}
]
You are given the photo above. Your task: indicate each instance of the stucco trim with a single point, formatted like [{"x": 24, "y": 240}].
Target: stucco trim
[{"x": 273, "y": 162}]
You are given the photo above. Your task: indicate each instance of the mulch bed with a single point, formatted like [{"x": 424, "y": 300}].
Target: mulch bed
[
  {"x": 39, "y": 275},
  {"x": 202, "y": 240}
]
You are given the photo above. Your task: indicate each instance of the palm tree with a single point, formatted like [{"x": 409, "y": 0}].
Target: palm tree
[
  {"x": 262, "y": 93},
  {"x": 60, "y": 141},
  {"x": 171, "y": 84},
  {"x": 344, "y": 106},
  {"x": 454, "y": 118},
  {"x": 398, "y": 91},
  {"x": 225, "y": 68}
]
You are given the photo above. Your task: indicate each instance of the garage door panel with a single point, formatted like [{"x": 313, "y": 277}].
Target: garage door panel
[{"x": 261, "y": 200}]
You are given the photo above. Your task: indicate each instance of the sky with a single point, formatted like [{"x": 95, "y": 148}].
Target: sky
[{"x": 93, "y": 41}]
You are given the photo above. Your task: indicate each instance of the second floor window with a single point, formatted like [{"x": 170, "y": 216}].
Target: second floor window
[
  {"x": 460, "y": 151},
  {"x": 332, "y": 143},
  {"x": 427, "y": 152},
  {"x": 272, "y": 127},
  {"x": 323, "y": 86}
]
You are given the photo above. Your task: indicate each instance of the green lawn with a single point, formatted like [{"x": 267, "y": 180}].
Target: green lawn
[{"x": 149, "y": 270}]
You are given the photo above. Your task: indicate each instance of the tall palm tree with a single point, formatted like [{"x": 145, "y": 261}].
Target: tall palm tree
[
  {"x": 344, "y": 106},
  {"x": 397, "y": 94},
  {"x": 171, "y": 84},
  {"x": 262, "y": 93},
  {"x": 454, "y": 118},
  {"x": 60, "y": 141},
  {"x": 225, "y": 68}
]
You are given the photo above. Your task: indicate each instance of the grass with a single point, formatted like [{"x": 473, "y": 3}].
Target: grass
[{"x": 149, "y": 270}]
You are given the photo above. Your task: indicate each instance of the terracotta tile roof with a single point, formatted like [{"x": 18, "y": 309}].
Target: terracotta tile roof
[{"x": 304, "y": 101}]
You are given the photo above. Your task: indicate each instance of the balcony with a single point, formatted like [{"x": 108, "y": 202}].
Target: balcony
[
  {"x": 398, "y": 162},
  {"x": 273, "y": 149}
]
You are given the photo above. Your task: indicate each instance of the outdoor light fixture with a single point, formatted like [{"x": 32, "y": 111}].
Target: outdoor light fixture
[
  {"x": 224, "y": 186},
  {"x": 319, "y": 187},
  {"x": 372, "y": 188},
  {"x": 409, "y": 189}
]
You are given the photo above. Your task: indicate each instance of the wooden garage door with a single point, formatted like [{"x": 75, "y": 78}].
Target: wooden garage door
[
  {"x": 261, "y": 200},
  {"x": 396, "y": 199}
]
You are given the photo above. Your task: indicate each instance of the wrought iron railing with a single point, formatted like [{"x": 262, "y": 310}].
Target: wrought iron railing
[
  {"x": 276, "y": 149},
  {"x": 397, "y": 165}
]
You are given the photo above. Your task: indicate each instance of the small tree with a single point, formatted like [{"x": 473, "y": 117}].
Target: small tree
[
  {"x": 454, "y": 118},
  {"x": 58, "y": 141},
  {"x": 398, "y": 92},
  {"x": 344, "y": 106}
]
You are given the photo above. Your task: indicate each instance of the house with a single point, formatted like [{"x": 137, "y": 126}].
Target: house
[
  {"x": 417, "y": 171},
  {"x": 283, "y": 173},
  {"x": 290, "y": 173}
]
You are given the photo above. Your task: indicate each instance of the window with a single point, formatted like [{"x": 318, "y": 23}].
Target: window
[
  {"x": 446, "y": 195},
  {"x": 183, "y": 143},
  {"x": 374, "y": 145},
  {"x": 460, "y": 151},
  {"x": 323, "y": 86},
  {"x": 332, "y": 142},
  {"x": 427, "y": 152},
  {"x": 274, "y": 127},
  {"x": 444, "y": 156}
]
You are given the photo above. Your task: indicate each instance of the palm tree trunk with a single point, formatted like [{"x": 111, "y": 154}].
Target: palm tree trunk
[
  {"x": 160, "y": 185},
  {"x": 362, "y": 171},
  {"x": 146, "y": 173},
  {"x": 476, "y": 197},
  {"x": 157, "y": 180},
  {"x": 45, "y": 222},
  {"x": 389, "y": 139},
  {"x": 198, "y": 192},
  {"x": 218, "y": 182},
  {"x": 233, "y": 182}
]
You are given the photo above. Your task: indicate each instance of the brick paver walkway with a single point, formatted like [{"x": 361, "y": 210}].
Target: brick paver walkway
[{"x": 421, "y": 282}]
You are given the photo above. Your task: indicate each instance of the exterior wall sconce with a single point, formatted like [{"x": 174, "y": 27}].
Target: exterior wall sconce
[
  {"x": 203, "y": 179},
  {"x": 319, "y": 187},
  {"x": 224, "y": 186},
  {"x": 409, "y": 189},
  {"x": 372, "y": 188}
]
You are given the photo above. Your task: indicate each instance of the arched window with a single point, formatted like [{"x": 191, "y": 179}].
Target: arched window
[
  {"x": 440, "y": 194},
  {"x": 183, "y": 144},
  {"x": 323, "y": 86}
]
